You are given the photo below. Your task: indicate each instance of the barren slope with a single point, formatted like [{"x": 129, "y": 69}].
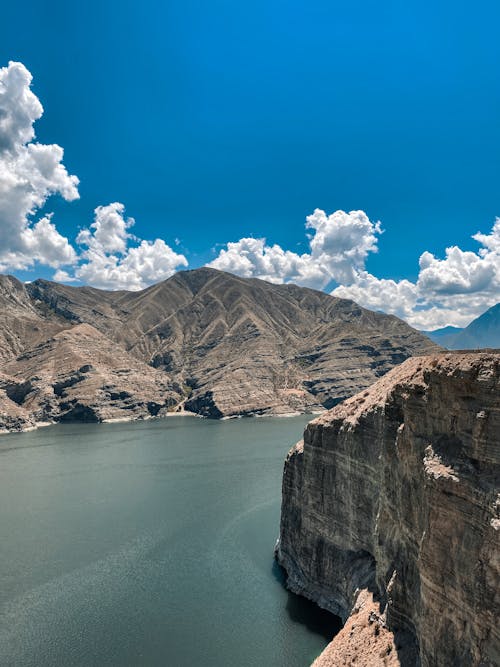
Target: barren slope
[
  {"x": 244, "y": 346},
  {"x": 80, "y": 375},
  {"x": 24, "y": 322}
]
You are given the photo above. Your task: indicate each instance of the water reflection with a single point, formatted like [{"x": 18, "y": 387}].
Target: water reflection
[{"x": 307, "y": 613}]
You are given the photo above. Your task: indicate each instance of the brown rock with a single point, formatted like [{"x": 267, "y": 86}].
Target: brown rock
[
  {"x": 227, "y": 346},
  {"x": 396, "y": 491},
  {"x": 54, "y": 381},
  {"x": 12, "y": 416},
  {"x": 364, "y": 641},
  {"x": 24, "y": 322}
]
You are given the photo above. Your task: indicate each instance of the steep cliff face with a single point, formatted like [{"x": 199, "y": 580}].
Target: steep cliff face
[{"x": 395, "y": 493}]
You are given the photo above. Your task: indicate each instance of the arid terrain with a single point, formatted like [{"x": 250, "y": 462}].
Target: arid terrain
[{"x": 202, "y": 341}]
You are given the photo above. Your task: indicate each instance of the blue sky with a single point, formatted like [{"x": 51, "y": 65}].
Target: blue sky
[{"x": 222, "y": 120}]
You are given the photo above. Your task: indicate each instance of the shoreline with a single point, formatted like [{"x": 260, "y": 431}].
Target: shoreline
[
  {"x": 180, "y": 413},
  {"x": 27, "y": 429}
]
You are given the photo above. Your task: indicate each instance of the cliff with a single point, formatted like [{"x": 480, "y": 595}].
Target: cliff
[
  {"x": 222, "y": 345},
  {"x": 391, "y": 516}
]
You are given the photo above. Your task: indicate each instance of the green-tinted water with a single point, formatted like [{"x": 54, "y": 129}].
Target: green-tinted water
[{"x": 149, "y": 544}]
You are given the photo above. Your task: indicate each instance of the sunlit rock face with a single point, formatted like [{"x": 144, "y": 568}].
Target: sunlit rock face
[
  {"x": 395, "y": 492},
  {"x": 212, "y": 343}
]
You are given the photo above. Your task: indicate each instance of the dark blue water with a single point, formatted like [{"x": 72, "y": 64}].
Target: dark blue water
[{"x": 149, "y": 543}]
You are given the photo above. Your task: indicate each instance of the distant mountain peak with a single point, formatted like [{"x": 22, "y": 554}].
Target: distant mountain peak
[{"x": 483, "y": 332}]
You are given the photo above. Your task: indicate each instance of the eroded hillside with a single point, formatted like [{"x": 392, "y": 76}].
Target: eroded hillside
[{"x": 213, "y": 343}]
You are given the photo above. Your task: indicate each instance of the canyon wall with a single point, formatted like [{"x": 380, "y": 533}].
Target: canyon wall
[{"x": 391, "y": 503}]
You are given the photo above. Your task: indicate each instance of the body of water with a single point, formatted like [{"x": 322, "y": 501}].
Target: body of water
[{"x": 149, "y": 543}]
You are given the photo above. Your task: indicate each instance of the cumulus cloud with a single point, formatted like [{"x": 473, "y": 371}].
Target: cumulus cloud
[
  {"x": 342, "y": 242},
  {"x": 253, "y": 258},
  {"x": 109, "y": 231},
  {"x": 29, "y": 174},
  {"x": 109, "y": 262},
  {"x": 339, "y": 245},
  {"x": 389, "y": 296},
  {"x": 449, "y": 291},
  {"x": 459, "y": 273}
]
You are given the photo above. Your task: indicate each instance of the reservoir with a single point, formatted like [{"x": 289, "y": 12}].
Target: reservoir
[{"x": 149, "y": 543}]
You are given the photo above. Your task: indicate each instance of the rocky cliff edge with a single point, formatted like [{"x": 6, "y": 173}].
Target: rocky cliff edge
[{"x": 391, "y": 516}]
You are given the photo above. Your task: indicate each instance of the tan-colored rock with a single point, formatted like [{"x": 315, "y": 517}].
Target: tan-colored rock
[
  {"x": 23, "y": 322},
  {"x": 396, "y": 491},
  {"x": 243, "y": 346},
  {"x": 221, "y": 345},
  {"x": 12, "y": 416},
  {"x": 54, "y": 381},
  {"x": 365, "y": 640}
]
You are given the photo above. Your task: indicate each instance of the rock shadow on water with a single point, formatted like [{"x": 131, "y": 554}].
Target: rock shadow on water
[{"x": 301, "y": 610}]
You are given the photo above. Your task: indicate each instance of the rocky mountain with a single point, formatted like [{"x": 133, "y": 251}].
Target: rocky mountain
[
  {"x": 391, "y": 516},
  {"x": 80, "y": 375},
  {"x": 221, "y": 345},
  {"x": 444, "y": 336},
  {"x": 23, "y": 322},
  {"x": 483, "y": 332}
]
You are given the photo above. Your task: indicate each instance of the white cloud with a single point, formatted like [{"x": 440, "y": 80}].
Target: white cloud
[
  {"x": 459, "y": 273},
  {"x": 252, "y": 258},
  {"x": 490, "y": 242},
  {"x": 62, "y": 276},
  {"x": 452, "y": 290},
  {"x": 45, "y": 244},
  {"x": 29, "y": 174},
  {"x": 20, "y": 107},
  {"x": 108, "y": 232},
  {"x": 342, "y": 242},
  {"x": 389, "y": 296},
  {"x": 109, "y": 263},
  {"x": 339, "y": 246},
  {"x": 449, "y": 291}
]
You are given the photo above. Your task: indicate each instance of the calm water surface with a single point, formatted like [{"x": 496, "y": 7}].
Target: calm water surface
[{"x": 149, "y": 543}]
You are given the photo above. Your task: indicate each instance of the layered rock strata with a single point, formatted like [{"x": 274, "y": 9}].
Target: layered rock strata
[
  {"x": 224, "y": 345},
  {"x": 80, "y": 375},
  {"x": 395, "y": 494}
]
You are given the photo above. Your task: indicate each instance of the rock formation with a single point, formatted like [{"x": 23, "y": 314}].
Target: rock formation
[
  {"x": 54, "y": 381},
  {"x": 391, "y": 516},
  {"x": 213, "y": 343},
  {"x": 23, "y": 323}
]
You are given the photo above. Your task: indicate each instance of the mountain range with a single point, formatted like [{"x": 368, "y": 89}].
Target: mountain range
[{"x": 203, "y": 341}]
